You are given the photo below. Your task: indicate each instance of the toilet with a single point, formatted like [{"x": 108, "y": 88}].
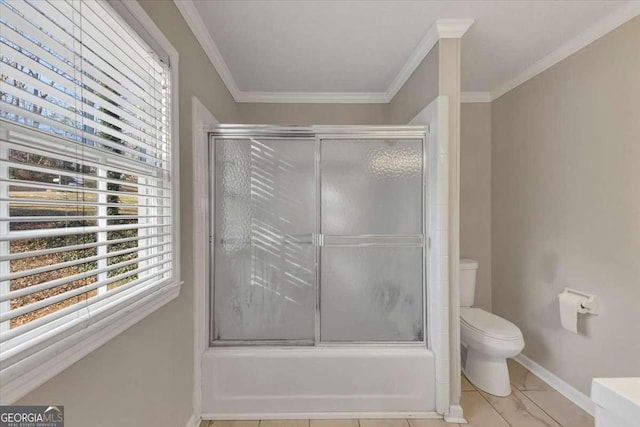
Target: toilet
[{"x": 487, "y": 340}]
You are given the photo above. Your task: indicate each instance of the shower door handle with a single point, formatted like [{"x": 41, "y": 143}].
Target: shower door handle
[
  {"x": 300, "y": 239},
  {"x": 374, "y": 240}
]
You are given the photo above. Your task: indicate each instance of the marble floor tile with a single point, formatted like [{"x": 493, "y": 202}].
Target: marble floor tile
[
  {"x": 479, "y": 413},
  {"x": 204, "y": 423},
  {"x": 282, "y": 423},
  {"x": 245, "y": 423},
  {"x": 522, "y": 379},
  {"x": 519, "y": 411},
  {"x": 334, "y": 423},
  {"x": 565, "y": 412},
  {"x": 388, "y": 422},
  {"x": 466, "y": 385},
  {"x": 424, "y": 422}
]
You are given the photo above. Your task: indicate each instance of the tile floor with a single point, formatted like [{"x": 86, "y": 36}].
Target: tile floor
[{"x": 532, "y": 403}]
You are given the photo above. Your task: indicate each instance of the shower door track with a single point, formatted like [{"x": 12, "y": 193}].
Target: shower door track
[{"x": 319, "y": 240}]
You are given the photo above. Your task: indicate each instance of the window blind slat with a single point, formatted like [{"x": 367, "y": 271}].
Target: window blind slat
[
  {"x": 70, "y": 231},
  {"x": 112, "y": 19},
  {"x": 121, "y": 45},
  {"x": 37, "y": 186},
  {"x": 95, "y": 93},
  {"x": 60, "y": 44},
  {"x": 11, "y": 351},
  {"x": 62, "y": 218},
  {"x": 76, "y": 65},
  {"x": 149, "y": 152},
  {"x": 17, "y": 203},
  {"x": 51, "y": 267},
  {"x": 119, "y": 165},
  {"x": 83, "y": 176},
  {"x": 59, "y": 94},
  {"x": 86, "y": 199},
  {"x": 80, "y": 290},
  {"x": 72, "y": 248},
  {"x": 126, "y": 41},
  {"x": 63, "y": 336},
  {"x": 90, "y": 34},
  {"x": 100, "y": 143},
  {"x": 74, "y": 34},
  {"x": 71, "y": 332}
]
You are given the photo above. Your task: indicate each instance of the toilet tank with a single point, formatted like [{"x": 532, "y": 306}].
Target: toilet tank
[{"x": 468, "y": 269}]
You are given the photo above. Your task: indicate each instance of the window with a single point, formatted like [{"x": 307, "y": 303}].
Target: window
[{"x": 87, "y": 202}]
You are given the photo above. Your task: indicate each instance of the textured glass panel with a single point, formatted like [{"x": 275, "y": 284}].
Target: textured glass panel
[
  {"x": 264, "y": 252},
  {"x": 371, "y": 186},
  {"x": 371, "y": 294}
]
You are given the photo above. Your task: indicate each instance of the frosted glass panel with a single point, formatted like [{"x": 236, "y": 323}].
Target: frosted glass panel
[
  {"x": 371, "y": 294},
  {"x": 371, "y": 186},
  {"x": 264, "y": 254}
]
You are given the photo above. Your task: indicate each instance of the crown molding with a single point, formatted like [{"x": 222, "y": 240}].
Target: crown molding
[
  {"x": 475, "y": 97},
  {"x": 313, "y": 97},
  {"x": 417, "y": 56},
  {"x": 453, "y": 28},
  {"x": 443, "y": 28},
  {"x": 199, "y": 29},
  {"x": 604, "y": 26}
]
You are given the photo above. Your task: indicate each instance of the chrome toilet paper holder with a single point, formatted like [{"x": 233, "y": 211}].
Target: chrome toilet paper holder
[{"x": 590, "y": 304}]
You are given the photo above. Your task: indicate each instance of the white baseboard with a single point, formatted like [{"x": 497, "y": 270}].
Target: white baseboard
[
  {"x": 194, "y": 421},
  {"x": 564, "y": 388},
  {"x": 320, "y": 415},
  {"x": 455, "y": 415}
]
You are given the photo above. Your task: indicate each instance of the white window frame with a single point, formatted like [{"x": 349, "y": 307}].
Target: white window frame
[{"x": 73, "y": 347}]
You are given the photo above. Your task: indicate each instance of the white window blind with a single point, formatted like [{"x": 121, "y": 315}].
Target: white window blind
[{"x": 86, "y": 222}]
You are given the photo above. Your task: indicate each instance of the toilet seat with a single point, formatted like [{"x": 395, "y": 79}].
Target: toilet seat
[{"x": 488, "y": 325}]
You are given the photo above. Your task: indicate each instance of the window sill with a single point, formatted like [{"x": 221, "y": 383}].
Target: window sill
[{"x": 84, "y": 342}]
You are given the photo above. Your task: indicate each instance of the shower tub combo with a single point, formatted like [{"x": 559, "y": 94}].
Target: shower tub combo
[{"x": 319, "y": 298}]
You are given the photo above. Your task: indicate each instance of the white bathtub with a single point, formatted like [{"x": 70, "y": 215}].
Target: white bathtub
[
  {"x": 317, "y": 382},
  {"x": 617, "y": 401}
]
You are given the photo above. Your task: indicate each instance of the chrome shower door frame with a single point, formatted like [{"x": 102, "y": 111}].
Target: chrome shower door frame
[{"x": 319, "y": 133}]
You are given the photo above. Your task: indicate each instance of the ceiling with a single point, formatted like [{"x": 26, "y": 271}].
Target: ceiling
[{"x": 359, "y": 51}]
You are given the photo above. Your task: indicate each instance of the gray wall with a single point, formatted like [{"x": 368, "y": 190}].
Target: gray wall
[
  {"x": 143, "y": 377},
  {"x": 314, "y": 114},
  {"x": 418, "y": 91},
  {"x": 475, "y": 194},
  {"x": 566, "y": 207}
]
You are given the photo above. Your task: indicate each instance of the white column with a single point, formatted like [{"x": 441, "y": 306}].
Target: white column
[{"x": 451, "y": 32}]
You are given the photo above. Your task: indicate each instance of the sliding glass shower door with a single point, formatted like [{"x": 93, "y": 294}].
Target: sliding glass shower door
[
  {"x": 318, "y": 238},
  {"x": 372, "y": 246},
  {"x": 265, "y": 256}
]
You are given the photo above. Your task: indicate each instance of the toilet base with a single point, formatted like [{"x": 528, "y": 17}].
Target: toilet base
[{"x": 487, "y": 373}]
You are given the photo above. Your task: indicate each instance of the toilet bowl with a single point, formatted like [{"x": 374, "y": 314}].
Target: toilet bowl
[{"x": 488, "y": 339}]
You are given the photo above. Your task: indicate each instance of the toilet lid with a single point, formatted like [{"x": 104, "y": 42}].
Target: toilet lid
[{"x": 489, "y": 324}]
